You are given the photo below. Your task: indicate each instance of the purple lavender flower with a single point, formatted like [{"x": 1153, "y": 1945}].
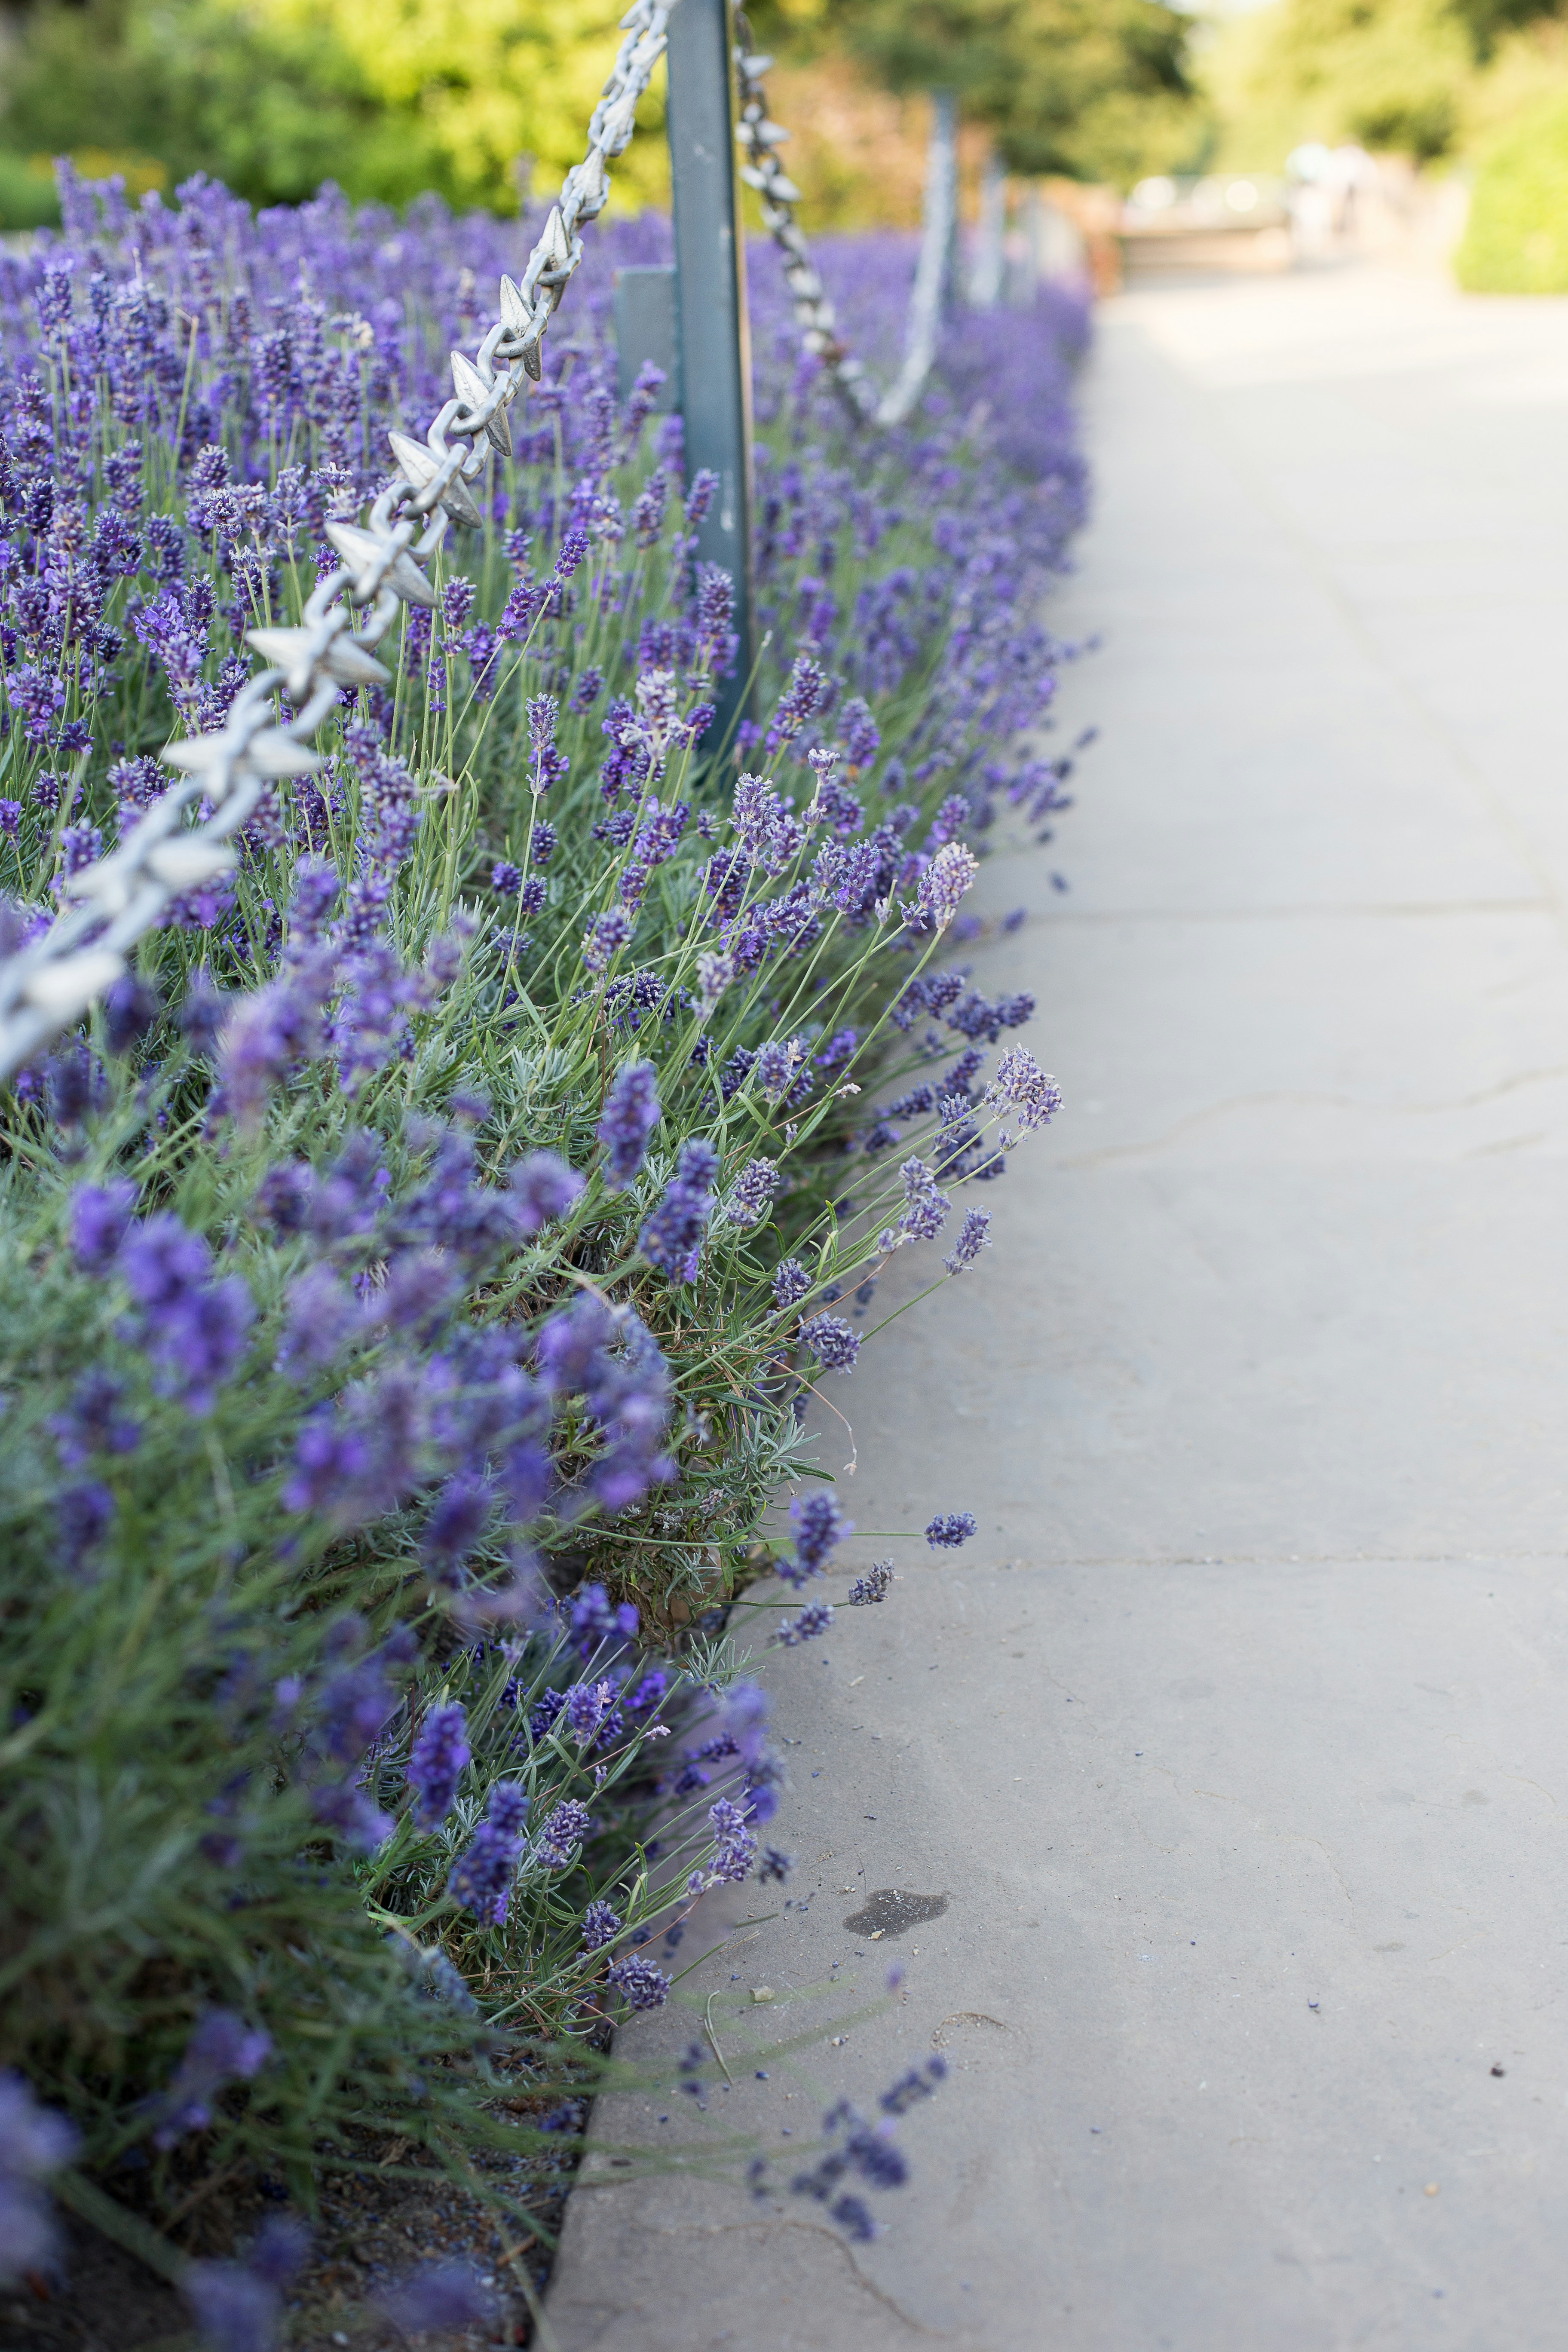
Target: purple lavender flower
[
  {"x": 649, "y": 1692},
  {"x": 700, "y": 495},
  {"x": 974, "y": 1237},
  {"x": 734, "y": 1847},
  {"x": 600, "y": 1926},
  {"x": 791, "y": 1282},
  {"x": 605, "y": 937},
  {"x": 346, "y": 1810},
  {"x": 776, "y": 1064},
  {"x": 506, "y": 879},
  {"x": 549, "y": 764},
  {"x": 92, "y": 1421},
  {"x": 83, "y": 1516},
  {"x": 34, "y": 2142},
  {"x": 563, "y": 1834},
  {"x": 873, "y": 1587},
  {"x": 944, "y": 882},
  {"x": 715, "y": 973},
  {"x": 437, "y": 1763},
  {"x": 130, "y": 1010},
  {"x": 818, "y": 1525},
  {"x": 445, "y": 2295},
  {"x": 670, "y": 1238},
  {"x": 813, "y": 1619},
  {"x": 950, "y": 1529},
  {"x": 926, "y": 1209},
  {"x": 862, "y": 737},
  {"x": 775, "y": 1865},
  {"x": 357, "y": 1703},
  {"x": 100, "y": 1217},
  {"x": 854, "y": 2215},
  {"x": 222, "y": 2049},
  {"x": 481, "y": 1879},
  {"x": 594, "y": 1619},
  {"x": 458, "y": 1517},
  {"x": 37, "y": 696},
  {"x": 751, "y": 1194},
  {"x": 323, "y": 1317},
  {"x": 195, "y": 1332},
  {"x": 1023, "y": 1089},
  {"x": 586, "y": 1709},
  {"x": 238, "y": 2305},
  {"x": 330, "y": 1461},
  {"x": 630, "y": 1114},
  {"x": 832, "y": 1341},
  {"x": 81, "y": 845},
  {"x": 638, "y": 1982},
  {"x": 910, "y": 2088},
  {"x": 803, "y": 695}
]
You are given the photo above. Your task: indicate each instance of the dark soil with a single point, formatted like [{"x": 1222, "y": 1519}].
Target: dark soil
[{"x": 369, "y": 2236}]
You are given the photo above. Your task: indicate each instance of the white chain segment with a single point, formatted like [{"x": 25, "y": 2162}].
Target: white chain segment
[
  {"x": 117, "y": 900},
  {"x": 761, "y": 140}
]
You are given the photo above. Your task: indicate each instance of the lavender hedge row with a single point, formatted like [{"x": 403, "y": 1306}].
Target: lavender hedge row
[{"x": 414, "y": 1278}]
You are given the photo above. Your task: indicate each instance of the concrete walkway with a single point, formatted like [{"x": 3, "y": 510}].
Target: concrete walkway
[{"x": 1235, "y": 1743}]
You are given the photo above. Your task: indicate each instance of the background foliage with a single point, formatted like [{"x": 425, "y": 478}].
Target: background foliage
[
  {"x": 273, "y": 97},
  {"x": 1477, "y": 85}
]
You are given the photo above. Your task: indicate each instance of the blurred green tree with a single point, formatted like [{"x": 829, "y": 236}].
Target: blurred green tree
[
  {"x": 1093, "y": 90},
  {"x": 276, "y": 96}
]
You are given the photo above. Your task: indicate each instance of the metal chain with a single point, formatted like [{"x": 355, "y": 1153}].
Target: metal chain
[
  {"x": 117, "y": 900},
  {"x": 761, "y": 140}
]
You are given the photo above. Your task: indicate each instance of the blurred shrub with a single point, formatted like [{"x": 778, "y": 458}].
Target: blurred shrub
[
  {"x": 276, "y": 97},
  {"x": 28, "y": 198},
  {"x": 1516, "y": 241}
]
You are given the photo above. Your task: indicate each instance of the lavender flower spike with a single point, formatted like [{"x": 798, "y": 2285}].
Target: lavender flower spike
[
  {"x": 944, "y": 882},
  {"x": 791, "y": 1282},
  {"x": 600, "y": 1926},
  {"x": 638, "y": 1982},
  {"x": 445, "y": 2295},
  {"x": 34, "y": 2142},
  {"x": 101, "y": 1216},
  {"x": 238, "y": 2305},
  {"x": 753, "y": 1191},
  {"x": 481, "y": 1880},
  {"x": 950, "y": 1529},
  {"x": 974, "y": 1238},
  {"x": 818, "y": 1525},
  {"x": 815, "y": 1619},
  {"x": 630, "y": 1114},
  {"x": 437, "y": 1763},
  {"x": 543, "y": 1188},
  {"x": 223, "y": 2049},
  {"x": 563, "y": 1834},
  {"x": 1022, "y": 1087},
  {"x": 833, "y": 1343}
]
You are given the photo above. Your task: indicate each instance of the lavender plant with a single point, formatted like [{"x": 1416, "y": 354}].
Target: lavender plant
[{"x": 412, "y": 1276}]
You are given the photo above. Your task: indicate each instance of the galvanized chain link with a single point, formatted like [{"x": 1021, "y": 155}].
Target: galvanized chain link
[
  {"x": 117, "y": 900},
  {"x": 761, "y": 140}
]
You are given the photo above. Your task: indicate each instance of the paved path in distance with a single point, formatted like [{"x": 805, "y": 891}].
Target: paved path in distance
[{"x": 1235, "y": 1745}]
